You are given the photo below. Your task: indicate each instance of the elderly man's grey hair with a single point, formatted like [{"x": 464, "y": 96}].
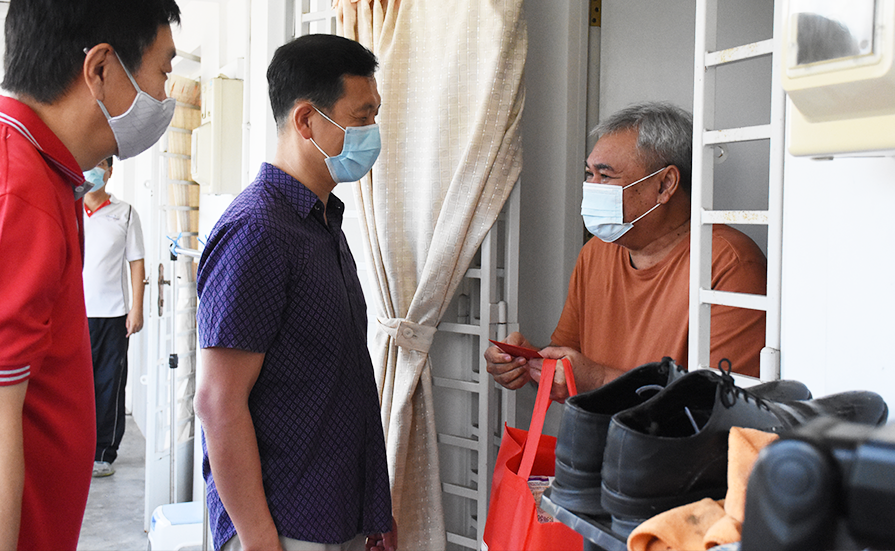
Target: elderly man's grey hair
[{"x": 665, "y": 135}]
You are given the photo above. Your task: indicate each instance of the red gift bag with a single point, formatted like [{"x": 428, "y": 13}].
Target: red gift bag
[{"x": 512, "y": 523}]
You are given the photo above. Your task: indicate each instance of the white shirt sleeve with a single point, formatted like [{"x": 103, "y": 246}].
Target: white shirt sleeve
[{"x": 133, "y": 249}]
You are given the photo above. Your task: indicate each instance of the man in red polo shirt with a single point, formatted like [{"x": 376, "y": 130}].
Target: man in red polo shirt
[{"x": 87, "y": 82}]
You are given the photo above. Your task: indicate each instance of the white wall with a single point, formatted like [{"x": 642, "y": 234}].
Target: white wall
[
  {"x": 553, "y": 143},
  {"x": 838, "y": 266},
  {"x": 553, "y": 152}
]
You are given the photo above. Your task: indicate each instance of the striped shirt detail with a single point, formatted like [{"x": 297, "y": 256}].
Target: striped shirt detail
[
  {"x": 14, "y": 375},
  {"x": 78, "y": 184}
]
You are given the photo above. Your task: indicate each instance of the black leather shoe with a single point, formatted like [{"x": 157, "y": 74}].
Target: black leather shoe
[
  {"x": 672, "y": 449},
  {"x": 585, "y": 423},
  {"x": 583, "y": 427}
]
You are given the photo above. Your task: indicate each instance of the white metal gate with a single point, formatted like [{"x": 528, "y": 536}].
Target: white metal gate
[
  {"x": 470, "y": 408},
  {"x": 171, "y": 350},
  {"x": 705, "y": 139}
]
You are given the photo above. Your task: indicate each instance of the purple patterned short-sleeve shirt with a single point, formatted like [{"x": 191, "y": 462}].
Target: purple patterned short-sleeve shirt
[{"x": 276, "y": 278}]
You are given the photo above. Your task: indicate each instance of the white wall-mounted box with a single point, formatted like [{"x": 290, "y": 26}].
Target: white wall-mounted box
[
  {"x": 837, "y": 69},
  {"x": 217, "y": 142}
]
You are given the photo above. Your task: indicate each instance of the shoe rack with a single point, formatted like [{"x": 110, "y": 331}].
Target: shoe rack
[{"x": 708, "y": 144}]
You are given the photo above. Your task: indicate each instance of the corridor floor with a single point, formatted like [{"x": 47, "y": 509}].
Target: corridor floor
[{"x": 114, "y": 517}]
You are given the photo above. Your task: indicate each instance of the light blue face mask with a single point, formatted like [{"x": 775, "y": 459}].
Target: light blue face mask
[
  {"x": 95, "y": 177},
  {"x": 359, "y": 151},
  {"x": 602, "y": 209}
]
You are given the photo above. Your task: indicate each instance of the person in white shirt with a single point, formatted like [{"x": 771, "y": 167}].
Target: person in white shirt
[{"x": 112, "y": 239}]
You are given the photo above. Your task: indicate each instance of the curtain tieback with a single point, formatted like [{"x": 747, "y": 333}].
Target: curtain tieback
[{"x": 408, "y": 334}]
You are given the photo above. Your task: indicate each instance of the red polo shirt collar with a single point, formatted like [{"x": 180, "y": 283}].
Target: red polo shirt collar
[{"x": 22, "y": 118}]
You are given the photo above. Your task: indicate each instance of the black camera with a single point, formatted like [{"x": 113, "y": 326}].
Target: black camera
[{"x": 828, "y": 484}]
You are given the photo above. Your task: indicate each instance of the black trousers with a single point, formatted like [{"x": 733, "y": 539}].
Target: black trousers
[{"x": 108, "y": 342}]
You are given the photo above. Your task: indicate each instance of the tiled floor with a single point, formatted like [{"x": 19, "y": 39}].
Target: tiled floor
[{"x": 114, "y": 517}]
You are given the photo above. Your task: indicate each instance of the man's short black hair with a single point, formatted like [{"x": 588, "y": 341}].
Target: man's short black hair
[
  {"x": 45, "y": 39},
  {"x": 311, "y": 68}
]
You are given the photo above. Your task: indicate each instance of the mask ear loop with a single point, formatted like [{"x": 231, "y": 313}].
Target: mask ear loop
[
  {"x": 330, "y": 120},
  {"x": 129, "y": 76},
  {"x": 638, "y": 181},
  {"x": 128, "y": 73},
  {"x": 319, "y": 149},
  {"x": 137, "y": 86},
  {"x": 657, "y": 205}
]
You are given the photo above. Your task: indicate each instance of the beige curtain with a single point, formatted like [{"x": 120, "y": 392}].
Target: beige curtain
[{"x": 451, "y": 84}]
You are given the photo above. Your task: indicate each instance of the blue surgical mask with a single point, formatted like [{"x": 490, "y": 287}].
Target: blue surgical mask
[
  {"x": 95, "y": 177},
  {"x": 603, "y": 212},
  {"x": 359, "y": 151}
]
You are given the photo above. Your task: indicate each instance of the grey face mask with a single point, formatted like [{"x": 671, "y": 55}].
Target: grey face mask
[{"x": 142, "y": 124}]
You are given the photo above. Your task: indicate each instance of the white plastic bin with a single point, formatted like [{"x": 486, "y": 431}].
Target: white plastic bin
[{"x": 175, "y": 526}]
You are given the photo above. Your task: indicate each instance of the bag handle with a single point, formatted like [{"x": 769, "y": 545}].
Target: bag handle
[{"x": 542, "y": 403}]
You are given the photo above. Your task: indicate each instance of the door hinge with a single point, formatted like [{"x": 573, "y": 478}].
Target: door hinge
[{"x": 596, "y": 13}]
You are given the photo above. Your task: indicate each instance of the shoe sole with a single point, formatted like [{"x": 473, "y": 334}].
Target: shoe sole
[
  {"x": 585, "y": 501},
  {"x": 626, "y": 509}
]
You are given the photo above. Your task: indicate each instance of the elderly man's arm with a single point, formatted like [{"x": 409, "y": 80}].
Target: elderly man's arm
[
  {"x": 514, "y": 372},
  {"x": 12, "y": 463},
  {"x": 222, "y": 404}
]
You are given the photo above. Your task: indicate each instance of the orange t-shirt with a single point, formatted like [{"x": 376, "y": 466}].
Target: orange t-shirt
[{"x": 622, "y": 317}]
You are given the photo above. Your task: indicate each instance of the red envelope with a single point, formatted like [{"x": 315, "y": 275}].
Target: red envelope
[{"x": 512, "y": 349}]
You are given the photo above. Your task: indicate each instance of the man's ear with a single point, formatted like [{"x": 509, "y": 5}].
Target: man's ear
[
  {"x": 301, "y": 118},
  {"x": 669, "y": 183},
  {"x": 96, "y": 67}
]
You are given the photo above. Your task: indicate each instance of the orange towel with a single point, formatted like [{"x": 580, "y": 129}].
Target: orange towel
[
  {"x": 707, "y": 523},
  {"x": 744, "y": 445},
  {"x": 680, "y": 529}
]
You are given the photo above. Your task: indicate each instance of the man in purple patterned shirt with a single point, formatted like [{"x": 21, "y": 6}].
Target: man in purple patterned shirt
[{"x": 294, "y": 450}]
